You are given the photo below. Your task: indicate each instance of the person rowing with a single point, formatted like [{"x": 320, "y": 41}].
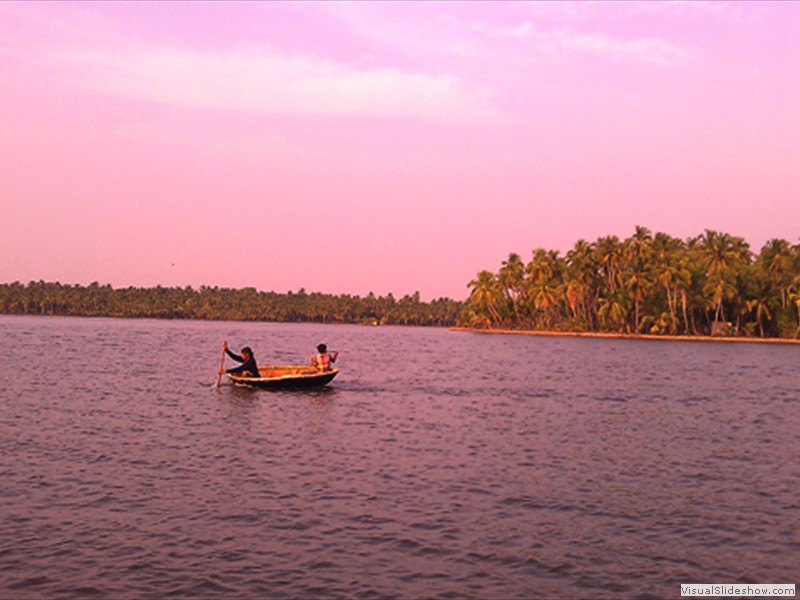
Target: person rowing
[
  {"x": 322, "y": 360},
  {"x": 249, "y": 366}
]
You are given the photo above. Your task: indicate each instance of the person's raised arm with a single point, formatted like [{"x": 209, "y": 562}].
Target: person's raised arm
[{"x": 234, "y": 356}]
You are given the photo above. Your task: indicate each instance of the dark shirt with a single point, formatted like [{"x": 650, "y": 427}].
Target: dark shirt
[{"x": 248, "y": 368}]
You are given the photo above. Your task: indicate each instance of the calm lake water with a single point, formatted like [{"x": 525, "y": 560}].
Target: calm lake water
[{"x": 438, "y": 464}]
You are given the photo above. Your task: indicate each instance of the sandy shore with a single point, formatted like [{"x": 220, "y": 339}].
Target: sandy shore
[{"x": 629, "y": 336}]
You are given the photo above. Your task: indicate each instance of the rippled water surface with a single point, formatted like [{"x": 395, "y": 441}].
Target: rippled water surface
[{"x": 438, "y": 464}]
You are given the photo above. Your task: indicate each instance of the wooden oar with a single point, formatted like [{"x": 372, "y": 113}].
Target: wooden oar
[{"x": 221, "y": 364}]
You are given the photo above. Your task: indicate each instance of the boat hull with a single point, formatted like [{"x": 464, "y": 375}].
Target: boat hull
[{"x": 286, "y": 377}]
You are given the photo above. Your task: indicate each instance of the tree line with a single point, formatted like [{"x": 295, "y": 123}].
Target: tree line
[
  {"x": 213, "y": 303},
  {"x": 654, "y": 284}
]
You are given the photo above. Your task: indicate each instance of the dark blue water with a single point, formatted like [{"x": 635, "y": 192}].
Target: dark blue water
[{"x": 438, "y": 464}]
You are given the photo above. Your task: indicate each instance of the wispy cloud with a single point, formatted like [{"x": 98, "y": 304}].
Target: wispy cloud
[
  {"x": 69, "y": 47},
  {"x": 265, "y": 80},
  {"x": 82, "y": 50},
  {"x": 651, "y": 50},
  {"x": 690, "y": 8},
  {"x": 564, "y": 39}
]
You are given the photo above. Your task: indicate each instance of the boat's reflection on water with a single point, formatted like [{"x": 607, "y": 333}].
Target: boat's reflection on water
[
  {"x": 251, "y": 393},
  {"x": 244, "y": 408}
]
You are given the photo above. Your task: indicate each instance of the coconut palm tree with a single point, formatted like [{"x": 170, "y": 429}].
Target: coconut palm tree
[
  {"x": 511, "y": 279},
  {"x": 485, "y": 296},
  {"x": 609, "y": 256},
  {"x": 612, "y": 311},
  {"x": 544, "y": 282},
  {"x": 794, "y": 298},
  {"x": 761, "y": 310},
  {"x": 581, "y": 281},
  {"x": 775, "y": 261},
  {"x": 670, "y": 269},
  {"x": 637, "y": 252},
  {"x": 722, "y": 256}
]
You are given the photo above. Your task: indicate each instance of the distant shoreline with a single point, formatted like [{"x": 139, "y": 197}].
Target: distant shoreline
[{"x": 631, "y": 336}]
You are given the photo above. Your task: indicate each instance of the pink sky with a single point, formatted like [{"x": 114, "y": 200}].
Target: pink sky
[{"x": 385, "y": 147}]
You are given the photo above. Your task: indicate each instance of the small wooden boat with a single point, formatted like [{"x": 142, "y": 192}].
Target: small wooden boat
[{"x": 286, "y": 376}]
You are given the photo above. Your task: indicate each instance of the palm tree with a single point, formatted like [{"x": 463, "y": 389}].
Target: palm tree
[
  {"x": 545, "y": 296},
  {"x": 794, "y": 289},
  {"x": 722, "y": 256},
  {"x": 573, "y": 293},
  {"x": 612, "y": 311},
  {"x": 759, "y": 306},
  {"x": 636, "y": 253},
  {"x": 511, "y": 279},
  {"x": 775, "y": 261},
  {"x": 485, "y": 296},
  {"x": 671, "y": 271},
  {"x": 794, "y": 298},
  {"x": 609, "y": 256},
  {"x": 543, "y": 283},
  {"x": 581, "y": 281}
]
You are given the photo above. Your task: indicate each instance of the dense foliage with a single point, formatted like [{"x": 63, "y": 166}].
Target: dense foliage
[
  {"x": 654, "y": 284},
  {"x": 44, "y": 298}
]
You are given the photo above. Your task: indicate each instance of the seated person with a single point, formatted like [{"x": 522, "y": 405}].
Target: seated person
[
  {"x": 248, "y": 368},
  {"x": 322, "y": 360}
]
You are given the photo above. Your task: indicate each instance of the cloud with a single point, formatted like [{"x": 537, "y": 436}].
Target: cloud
[
  {"x": 90, "y": 51},
  {"x": 515, "y": 31},
  {"x": 265, "y": 80},
  {"x": 688, "y": 8},
  {"x": 562, "y": 39},
  {"x": 652, "y": 50}
]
